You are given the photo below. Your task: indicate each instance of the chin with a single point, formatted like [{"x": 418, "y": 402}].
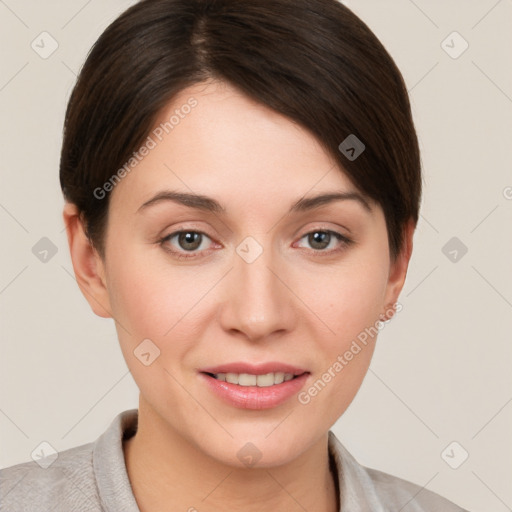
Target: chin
[{"x": 255, "y": 448}]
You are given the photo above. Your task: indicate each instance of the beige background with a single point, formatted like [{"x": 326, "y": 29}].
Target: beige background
[{"x": 441, "y": 371}]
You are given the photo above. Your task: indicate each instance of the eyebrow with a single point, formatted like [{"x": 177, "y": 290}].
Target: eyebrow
[{"x": 208, "y": 204}]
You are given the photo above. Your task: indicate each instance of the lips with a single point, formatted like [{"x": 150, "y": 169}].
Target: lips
[{"x": 250, "y": 386}]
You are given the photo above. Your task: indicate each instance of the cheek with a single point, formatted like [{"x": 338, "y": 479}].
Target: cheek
[
  {"x": 348, "y": 300},
  {"x": 349, "y": 303},
  {"x": 153, "y": 300},
  {"x": 151, "y": 296}
]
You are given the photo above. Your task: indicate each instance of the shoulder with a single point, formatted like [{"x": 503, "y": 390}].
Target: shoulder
[
  {"x": 51, "y": 483},
  {"x": 414, "y": 497},
  {"x": 86, "y": 478},
  {"x": 365, "y": 489}
]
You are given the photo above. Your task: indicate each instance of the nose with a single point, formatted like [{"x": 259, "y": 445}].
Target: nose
[{"x": 257, "y": 302}]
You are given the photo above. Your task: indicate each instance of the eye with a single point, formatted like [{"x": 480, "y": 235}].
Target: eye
[
  {"x": 180, "y": 243},
  {"x": 325, "y": 240},
  {"x": 194, "y": 244}
]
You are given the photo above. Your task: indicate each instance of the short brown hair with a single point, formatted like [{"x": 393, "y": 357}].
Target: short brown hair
[{"x": 312, "y": 60}]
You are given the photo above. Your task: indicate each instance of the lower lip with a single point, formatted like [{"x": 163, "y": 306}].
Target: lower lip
[{"x": 254, "y": 397}]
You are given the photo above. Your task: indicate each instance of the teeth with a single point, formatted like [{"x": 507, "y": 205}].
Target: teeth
[
  {"x": 266, "y": 380},
  {"x": 262, "y": 381},
  {"x": 245, "y": 379},
  {"x": 232, "y": 378}
]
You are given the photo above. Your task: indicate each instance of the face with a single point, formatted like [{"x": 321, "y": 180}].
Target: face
[{"x": 252, "y": 279}]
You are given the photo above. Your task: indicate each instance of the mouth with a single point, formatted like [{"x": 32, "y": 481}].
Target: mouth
[{"x": 248, "y": 386}]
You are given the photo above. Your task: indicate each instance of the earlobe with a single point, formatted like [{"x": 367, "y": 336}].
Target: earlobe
[
  {"x": 398, "y": 272},
  {"x": 87, "y": 264}
]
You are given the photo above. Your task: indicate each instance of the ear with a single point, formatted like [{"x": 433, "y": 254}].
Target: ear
[
  {"x": 398, "y": 272},
  {"x": 87, "y": 263}
]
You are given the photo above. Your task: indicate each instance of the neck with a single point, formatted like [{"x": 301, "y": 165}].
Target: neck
[{"x": 168, "y": 473}]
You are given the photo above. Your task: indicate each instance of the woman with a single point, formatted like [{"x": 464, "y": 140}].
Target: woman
[{"x": 242, "y": 185}]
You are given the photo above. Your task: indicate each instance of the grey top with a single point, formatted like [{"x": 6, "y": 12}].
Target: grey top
[{"x": 93, "y": 477}]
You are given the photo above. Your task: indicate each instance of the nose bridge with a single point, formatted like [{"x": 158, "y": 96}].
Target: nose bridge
[{"x": 258, "y": 303}]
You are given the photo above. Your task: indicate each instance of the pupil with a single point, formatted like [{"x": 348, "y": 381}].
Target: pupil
[
  {"x": 320, "y": 239},
  {"x": 190, "y": 240}
]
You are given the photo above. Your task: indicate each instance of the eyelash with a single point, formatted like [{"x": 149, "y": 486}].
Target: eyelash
[{"x": 342, "y": 239}]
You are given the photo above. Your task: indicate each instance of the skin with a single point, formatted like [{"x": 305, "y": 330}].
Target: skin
[{"x": 296, "y": 303}]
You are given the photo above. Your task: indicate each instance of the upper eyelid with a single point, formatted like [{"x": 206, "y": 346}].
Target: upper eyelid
[{"x": 194, "y": 230}]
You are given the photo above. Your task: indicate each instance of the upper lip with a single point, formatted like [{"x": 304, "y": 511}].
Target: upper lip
[{"x": 254, "y": 369}]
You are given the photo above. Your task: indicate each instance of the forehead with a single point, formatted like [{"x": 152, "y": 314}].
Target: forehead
[{"x": 214, "y": 140}]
